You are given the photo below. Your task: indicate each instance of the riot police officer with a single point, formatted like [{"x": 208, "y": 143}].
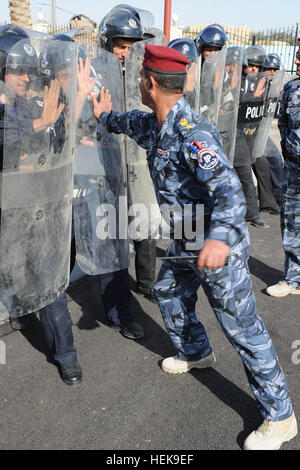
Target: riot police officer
[
  {"x": 210, "y": 44},
  {"x": 105, "y": 257},
  {"x": 236, "y": 59},
  {"x": 188, "y": 167},
  {"x": 253, "y": 90},
  {"x": 289, "y": 125},
  {"x": 35, "y": 216},
  {"x": 271, "y": 66},
  {"x": 211, "y": 39},
  {"x": 120, "y": 29},
  {"x": 192, "y": 87}
]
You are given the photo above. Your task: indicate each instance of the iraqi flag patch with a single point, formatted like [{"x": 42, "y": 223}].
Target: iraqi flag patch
[{"x": 207, "y": 159}]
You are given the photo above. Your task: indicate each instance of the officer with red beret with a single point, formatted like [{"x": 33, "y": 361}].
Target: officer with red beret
[{"x": 189, "y": 169}]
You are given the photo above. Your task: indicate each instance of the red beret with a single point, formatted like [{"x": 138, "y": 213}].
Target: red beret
[{"x": 163, "y": 59}]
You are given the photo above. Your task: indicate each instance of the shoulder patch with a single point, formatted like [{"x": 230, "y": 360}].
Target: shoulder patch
[{"x": 207, "y": 159}]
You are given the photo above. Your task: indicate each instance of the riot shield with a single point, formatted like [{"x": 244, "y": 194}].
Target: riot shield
[
  {"x": 141, "y": 193},
  {"x": 37, "y": 137},
  {"x": 251, "y": 111},
  {"x": 212, "y": 77},
  {"x": 229, "y": 105},
  {"x": 274, "y": 88},
  {"x": 192, "y": 84},
  {"x": 100, "y": 205}
]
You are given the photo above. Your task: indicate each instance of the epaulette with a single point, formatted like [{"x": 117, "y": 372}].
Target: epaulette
[{"x": 186, "y": 127}]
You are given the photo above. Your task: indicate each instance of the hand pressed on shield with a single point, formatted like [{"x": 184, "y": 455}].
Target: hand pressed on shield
[
  {"x": 51, "y": 110},
  {"x": 84, "y": 82},
  {"x": 213, "y": 255},
  {"x": 260, "y": 88},
  {"x": 104, "y": 105}
]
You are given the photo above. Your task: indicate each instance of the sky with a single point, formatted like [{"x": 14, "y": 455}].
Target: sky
[{"x": 257, "y": 14}]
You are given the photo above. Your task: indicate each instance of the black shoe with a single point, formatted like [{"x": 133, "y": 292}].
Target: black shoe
[
  {"x": 71, "y": 373},
  {"x": 271, "y": 210},
  {"x": 258, "y": 223},
  {"x": 148, "y": 294},
  {"x": 21, "y": 323},
  {"x": 131, "y": 330}
]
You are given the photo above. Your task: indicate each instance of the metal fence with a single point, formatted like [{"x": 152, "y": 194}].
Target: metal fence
[{"x": 282, "y": 41}]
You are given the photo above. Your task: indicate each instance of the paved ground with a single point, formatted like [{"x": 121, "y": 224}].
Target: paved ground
[{"x": 125, "y": 400}]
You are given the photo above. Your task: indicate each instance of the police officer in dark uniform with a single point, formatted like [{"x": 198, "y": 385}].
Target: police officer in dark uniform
[
  {"x": 261, "y": 167},
  {"x": 114, "y": 286},
  {"x": 271, "y": 66},
  {"x": 25, "y": 125},
  {"x": 116, "y": 36},
  {"x": 252, "y": 95}
]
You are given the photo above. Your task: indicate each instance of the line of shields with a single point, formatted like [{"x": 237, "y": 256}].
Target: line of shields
[
  {"x": 106, "y": 192},
  {"x": 37, "y": 109}
]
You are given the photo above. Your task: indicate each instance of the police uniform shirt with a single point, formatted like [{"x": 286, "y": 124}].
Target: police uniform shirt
[{"x": 184, "y": 176}]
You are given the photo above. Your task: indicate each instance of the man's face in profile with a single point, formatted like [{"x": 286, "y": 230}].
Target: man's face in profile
[{"x": 121, "y": 46}]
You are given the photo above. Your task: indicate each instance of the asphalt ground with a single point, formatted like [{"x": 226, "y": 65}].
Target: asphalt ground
[{"x": 126, "y": 401}]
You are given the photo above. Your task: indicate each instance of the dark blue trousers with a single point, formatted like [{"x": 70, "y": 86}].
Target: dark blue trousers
[
  {"x": 276, "y": 169},
  {"x": 57, "y": 323},
  {"x": 116, "y": 295}
]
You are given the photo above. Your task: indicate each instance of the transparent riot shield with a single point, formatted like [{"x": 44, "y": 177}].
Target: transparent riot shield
[
  {"x": 251, "y": 111},
  {"x": 100, "y": 204},
  {"x": 192, "y": 85},
  {"x": 229, "y": 105},
  {"x": 37, "y": 137},
  {"x": 212, "y": 77},
  {"x": 141, "y": 193},
  {"x": 274, "y": 88}
]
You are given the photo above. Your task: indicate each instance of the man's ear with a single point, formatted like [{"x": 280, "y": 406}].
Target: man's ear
[{"x": 151, "y": 83}]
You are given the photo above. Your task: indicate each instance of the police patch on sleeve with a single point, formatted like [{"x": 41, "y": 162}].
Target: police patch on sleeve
[{"x": 207, "y": 159}]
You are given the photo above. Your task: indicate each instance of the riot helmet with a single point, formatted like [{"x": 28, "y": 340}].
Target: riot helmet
[
  {"x": 233, "y": 56},
  {"x": 213, "y": 35},
  {"x": 256, "y": 55},
  {"x": 186, "y": 46},
  {"x": 66, "y": 37},
  {"x": 16, "y": 52},
  {"x": 272, "y": 62},
  {"x": 54, "y": 58},
  {"x": 120, "y": 23}
]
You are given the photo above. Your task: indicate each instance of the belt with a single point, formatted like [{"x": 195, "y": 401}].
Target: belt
[{"x": 292, "y": 158}]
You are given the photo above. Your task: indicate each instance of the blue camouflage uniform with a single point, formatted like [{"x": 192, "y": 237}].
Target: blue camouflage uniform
[
  {"x": 182, "y": 177},
  {"x": 289, "y": 126}
]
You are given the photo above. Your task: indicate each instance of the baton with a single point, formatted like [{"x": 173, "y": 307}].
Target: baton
[{"x": 189, "y": 257}]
